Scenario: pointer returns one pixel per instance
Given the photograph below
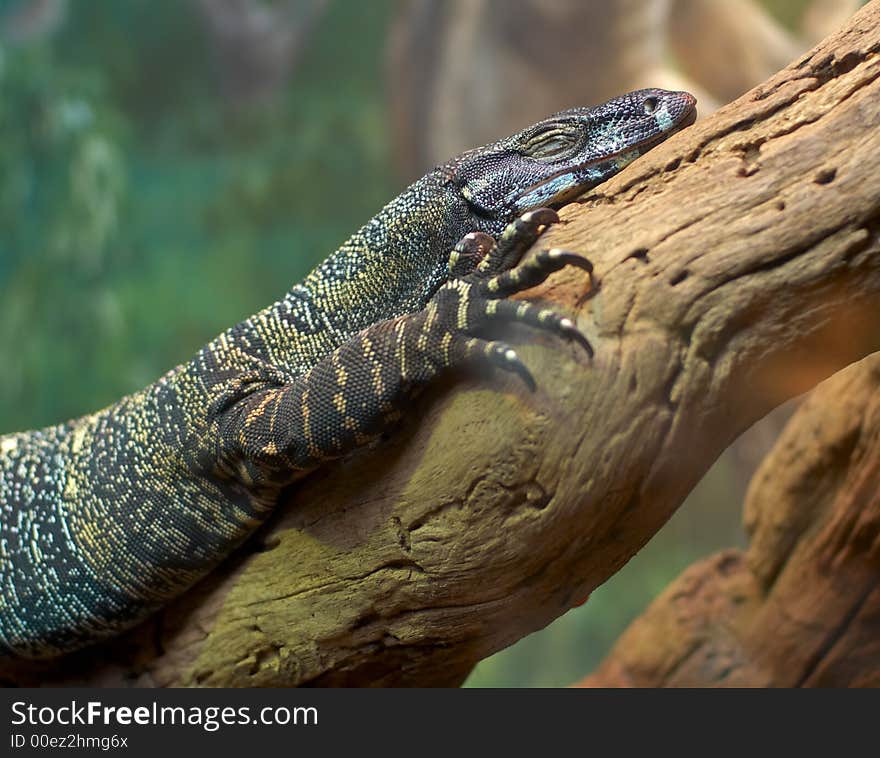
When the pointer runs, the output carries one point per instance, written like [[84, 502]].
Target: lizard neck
[[394, 263]]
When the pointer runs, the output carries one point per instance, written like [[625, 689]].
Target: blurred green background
[[144, 209]]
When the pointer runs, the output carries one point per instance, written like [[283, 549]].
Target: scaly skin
[[107, 517]]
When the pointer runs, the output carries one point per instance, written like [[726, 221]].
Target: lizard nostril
[[650, 105]]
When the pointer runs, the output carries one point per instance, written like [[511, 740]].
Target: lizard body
[[107, 517]]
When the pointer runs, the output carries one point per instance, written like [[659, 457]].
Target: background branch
[[739, 265], [800, 607]]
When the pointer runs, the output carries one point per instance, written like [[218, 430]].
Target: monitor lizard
[[107, 517]]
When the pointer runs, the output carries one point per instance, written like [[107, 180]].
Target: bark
[[739, 265], [800, 607]]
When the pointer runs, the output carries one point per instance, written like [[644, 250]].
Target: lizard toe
[[537, 316], [518, 237]]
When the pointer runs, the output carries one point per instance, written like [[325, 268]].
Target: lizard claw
[[560, 258], [511, 362], [541, 217], [570, 330]]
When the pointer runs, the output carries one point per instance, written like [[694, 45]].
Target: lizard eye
[[552, 146], [549, 145], [650, 105]]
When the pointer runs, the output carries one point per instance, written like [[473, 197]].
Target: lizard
[[107, 517]]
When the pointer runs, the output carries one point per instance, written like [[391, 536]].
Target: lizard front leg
[[357, 391]]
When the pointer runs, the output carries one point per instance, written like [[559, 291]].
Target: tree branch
[[801, 607], [739, 265]]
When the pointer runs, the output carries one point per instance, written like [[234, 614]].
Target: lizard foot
[[483, 274]]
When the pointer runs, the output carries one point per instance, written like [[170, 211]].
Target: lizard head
[[566, 154]]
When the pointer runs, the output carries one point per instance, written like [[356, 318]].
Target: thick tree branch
[[739, 265]]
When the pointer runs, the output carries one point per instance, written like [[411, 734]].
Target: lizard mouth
[[686, 119]]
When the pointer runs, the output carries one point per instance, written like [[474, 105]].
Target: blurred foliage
[[142, 214]]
